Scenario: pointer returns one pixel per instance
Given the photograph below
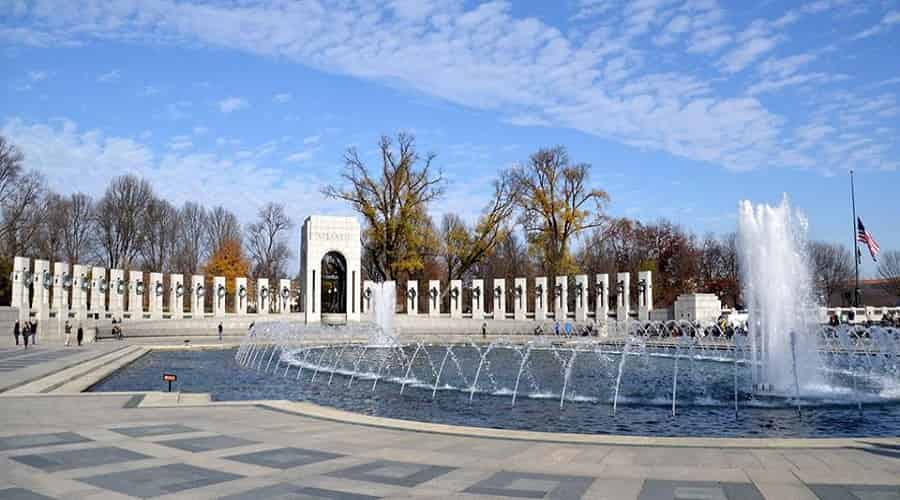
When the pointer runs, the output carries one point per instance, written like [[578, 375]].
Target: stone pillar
[[284, 299], [176, 296], [21, 283], [601, 312], [62, 281], [136, 291], [80, 286], [43, 280], [478, 299], [434, 297], [240, 296], [198, 291], [155, 289], [117, 289], [561, 298], [412, 298], [262, 296], [645, 295], [581, 297], [368, 287], [623, 290], [499, 298], [456, 298], [540, 298], [520, 299], [220, 293]]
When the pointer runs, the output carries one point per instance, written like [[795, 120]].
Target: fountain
[[783, 359]]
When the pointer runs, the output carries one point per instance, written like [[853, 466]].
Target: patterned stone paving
[[99, 449]]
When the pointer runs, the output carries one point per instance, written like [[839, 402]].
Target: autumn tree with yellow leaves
[[393, 200], [228, 261], [556, 204]]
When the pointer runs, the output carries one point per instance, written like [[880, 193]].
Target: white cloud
[[299, 157], [232, 104], [85, 160], [37, 76], [200, 130], [180, 143], [886, 23], [110, 77], [149, 90], [282, 98], [312, 139], [604, 78]]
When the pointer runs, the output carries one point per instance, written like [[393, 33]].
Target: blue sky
[[683, 107]]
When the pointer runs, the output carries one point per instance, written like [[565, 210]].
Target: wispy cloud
[[282, 98], [706, 97], [110, 76], [37, 76], [887, 22], [232, 104], [299, 157]]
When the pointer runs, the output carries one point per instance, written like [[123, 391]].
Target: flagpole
[[855, 242]]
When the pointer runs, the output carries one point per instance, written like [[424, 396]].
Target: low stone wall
[[405, 325]]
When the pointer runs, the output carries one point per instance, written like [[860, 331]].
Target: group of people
[[29, 329], [79, 337]]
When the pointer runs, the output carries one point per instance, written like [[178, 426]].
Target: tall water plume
[[383, 303], [777, 287]]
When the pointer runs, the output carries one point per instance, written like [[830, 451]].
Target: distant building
[[875, 293]]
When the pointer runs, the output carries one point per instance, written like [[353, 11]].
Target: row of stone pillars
[[519, 295], [96, 292]]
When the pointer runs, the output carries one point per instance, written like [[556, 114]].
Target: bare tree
[[51, 235], [191, 244], [10, 168], [23, 211], [393, 200], [462, 247], [266, 241], [78, 228], [556, 204], [119, 218], [889, 271], [160, 232], [832, 267], [221, 226]]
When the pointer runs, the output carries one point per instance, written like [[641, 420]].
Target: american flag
[[864, 236]]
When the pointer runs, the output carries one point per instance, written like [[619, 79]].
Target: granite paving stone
[[154, 430], [208, 443], [284, 458], [36, 440], [21, 494], [296, 492], [56, 461], [532, 485], [654, 489], [392, 473], [155, 481]]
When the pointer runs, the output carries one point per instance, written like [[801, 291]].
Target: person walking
[[34, 327], [568, 329], [484, 330], [68, 330], [80, 336], [26, 331], [220, 331], [16, 331], [556, 328]]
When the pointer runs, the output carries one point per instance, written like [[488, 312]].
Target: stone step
[[89, 378], [57, 379]]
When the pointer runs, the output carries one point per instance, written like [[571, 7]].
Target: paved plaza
[[155, 445]]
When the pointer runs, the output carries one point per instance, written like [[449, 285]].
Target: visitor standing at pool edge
[[484, 330], [16, 331], [80, 336], [68, 330], [220, 331]]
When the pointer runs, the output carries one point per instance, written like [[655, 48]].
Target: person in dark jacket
[[220, 332], [26, 331], [34, 327], [16, 331], [80, 335]]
